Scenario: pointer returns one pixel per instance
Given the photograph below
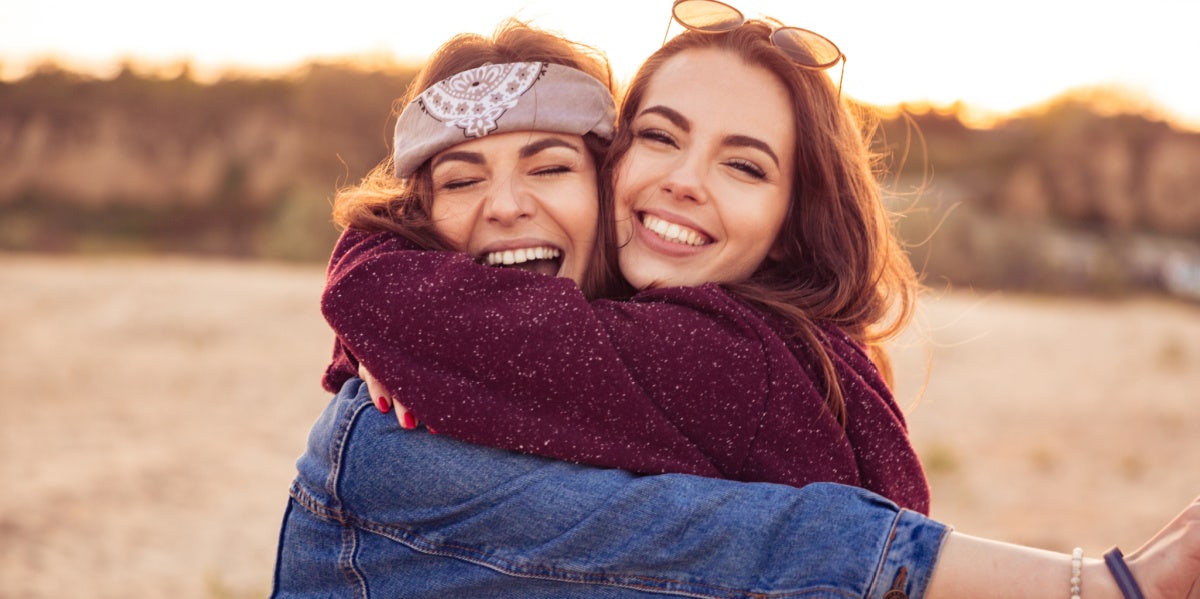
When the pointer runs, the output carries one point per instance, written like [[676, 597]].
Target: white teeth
[[672, 231], [521, 255]]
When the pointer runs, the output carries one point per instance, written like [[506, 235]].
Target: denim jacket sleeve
[[524, 523]]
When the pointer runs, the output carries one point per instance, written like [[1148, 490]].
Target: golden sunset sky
[[994, 57]]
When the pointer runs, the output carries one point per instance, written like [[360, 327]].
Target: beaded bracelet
[[1115, 561], [1076, 572]]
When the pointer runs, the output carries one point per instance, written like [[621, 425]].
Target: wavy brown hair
[[842, 262], [384, 202]]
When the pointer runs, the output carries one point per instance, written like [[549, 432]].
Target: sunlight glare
[[999, 59]]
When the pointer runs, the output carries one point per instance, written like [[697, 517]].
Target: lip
[[657, 244]]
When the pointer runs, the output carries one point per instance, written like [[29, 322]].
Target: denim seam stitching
[[337, 452], [315, 507], [636, 582], [346, 562], [943, 536], [883, 559]]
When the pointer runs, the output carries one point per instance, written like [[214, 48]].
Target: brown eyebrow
[[469, 157], [751, 142], [545, 144], [683, 123], [670, 114], [526, 151]]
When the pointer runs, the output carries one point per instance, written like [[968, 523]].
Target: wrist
[[1098, 582]]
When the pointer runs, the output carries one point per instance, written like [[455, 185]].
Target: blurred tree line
[[243, 166], [1072, 196], [1084, 194]]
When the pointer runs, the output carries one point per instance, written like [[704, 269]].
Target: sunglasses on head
[[807, 49]]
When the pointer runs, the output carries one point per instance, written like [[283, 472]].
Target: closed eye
[[553, 170], [458, 184], [657, 136], [747, 167]]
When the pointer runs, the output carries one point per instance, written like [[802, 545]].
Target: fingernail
[[383, 405], [430, 429], [409, 422]]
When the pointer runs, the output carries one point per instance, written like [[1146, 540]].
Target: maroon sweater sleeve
[[353, 245], [676, 380], [498, 357], [876, 427]]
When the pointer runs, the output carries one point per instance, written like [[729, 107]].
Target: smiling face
[[524, 199], [702, 193]]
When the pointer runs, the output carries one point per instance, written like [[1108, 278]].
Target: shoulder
[[709, 303], [354, 240], [708, 297], [840, 341], [706, 315]]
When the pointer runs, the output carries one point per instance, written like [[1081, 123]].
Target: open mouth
[[546, 260], [673, 232]]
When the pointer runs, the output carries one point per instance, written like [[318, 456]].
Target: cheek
[[775, 225], [775, 221], [624, 198], [578, 213], [623, 217], [629, 178], [757, 223], [583, 227], [453, 221]]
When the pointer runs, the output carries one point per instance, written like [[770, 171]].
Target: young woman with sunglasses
[[921, 537]]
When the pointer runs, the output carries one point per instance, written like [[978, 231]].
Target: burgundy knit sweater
[[687, 379]]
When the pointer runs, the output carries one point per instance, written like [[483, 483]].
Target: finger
[[407, 421], [380, 397], [383, 404]]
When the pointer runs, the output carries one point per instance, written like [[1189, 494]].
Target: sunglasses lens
[[807, 48], [707, 15]]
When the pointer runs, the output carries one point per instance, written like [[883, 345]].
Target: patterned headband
[[499, 98]]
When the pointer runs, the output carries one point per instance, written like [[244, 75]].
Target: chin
[[641, 282]]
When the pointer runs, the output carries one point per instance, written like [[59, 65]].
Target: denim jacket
[[379, 512]]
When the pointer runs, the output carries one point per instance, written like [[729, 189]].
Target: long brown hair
[[384, 202], [841, 262]]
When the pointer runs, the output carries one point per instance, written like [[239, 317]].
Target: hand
[[1168, 565], [384, 401]]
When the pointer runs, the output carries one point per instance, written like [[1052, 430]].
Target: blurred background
[[1054, 149], [165, 185]]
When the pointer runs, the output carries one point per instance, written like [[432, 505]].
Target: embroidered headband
[[499, 98]]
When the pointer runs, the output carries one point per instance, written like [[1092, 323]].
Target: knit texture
[[686, 379]]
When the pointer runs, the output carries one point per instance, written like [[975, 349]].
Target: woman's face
[[524, 199], [702, 193]]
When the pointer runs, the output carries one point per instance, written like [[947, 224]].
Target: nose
[[506, 203], [685, 181]]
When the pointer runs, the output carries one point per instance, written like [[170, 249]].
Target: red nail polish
[[430, 429], [409, 422], [383, 405]]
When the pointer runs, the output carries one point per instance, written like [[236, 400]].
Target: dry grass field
[[151, 411]]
